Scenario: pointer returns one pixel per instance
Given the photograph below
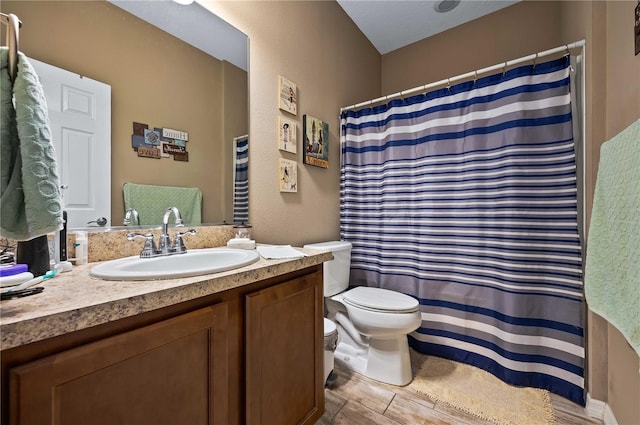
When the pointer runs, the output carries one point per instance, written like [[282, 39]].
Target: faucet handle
[[178, 244], [149, 249]]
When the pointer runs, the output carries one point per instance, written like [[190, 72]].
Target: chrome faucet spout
[[165, 219], [165, 243], [131, 215]]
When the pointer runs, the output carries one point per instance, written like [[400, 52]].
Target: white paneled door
[[80, 119]]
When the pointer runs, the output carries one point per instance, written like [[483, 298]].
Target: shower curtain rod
[[246, 136], [474, 74]]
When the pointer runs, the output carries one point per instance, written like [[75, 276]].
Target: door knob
[[100, 221]]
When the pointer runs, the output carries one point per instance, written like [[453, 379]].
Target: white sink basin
[[193, 263]]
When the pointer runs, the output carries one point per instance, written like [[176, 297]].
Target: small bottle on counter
[[82, 248]]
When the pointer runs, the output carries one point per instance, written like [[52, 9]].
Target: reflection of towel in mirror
[[612, 270], [152, 201], [30, 203]]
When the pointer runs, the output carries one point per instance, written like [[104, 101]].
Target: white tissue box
[[242, 243]]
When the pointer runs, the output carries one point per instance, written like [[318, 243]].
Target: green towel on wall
[[30, 203], [152, 201], [612, 272]]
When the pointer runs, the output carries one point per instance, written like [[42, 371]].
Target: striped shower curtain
[[465, 198], [241, 181]]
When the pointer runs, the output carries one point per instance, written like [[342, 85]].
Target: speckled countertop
[[74, 300]]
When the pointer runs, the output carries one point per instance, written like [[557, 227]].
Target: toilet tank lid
[[329, 246]]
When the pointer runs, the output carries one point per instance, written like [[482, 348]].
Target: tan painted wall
[[613, 102], [236, 123], [477, 44], [315, 45], [154, 78], [622, 109]]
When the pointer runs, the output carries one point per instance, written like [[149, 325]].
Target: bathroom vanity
[[242, 346]]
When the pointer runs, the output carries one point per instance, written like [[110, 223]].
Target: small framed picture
[[164, 150], [288, 96], [315, 140], [288, 175], [287, 135], [151, 137]]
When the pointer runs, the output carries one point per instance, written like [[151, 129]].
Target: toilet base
[[385, 360]]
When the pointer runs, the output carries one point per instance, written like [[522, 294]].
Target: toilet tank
[[336, 271]]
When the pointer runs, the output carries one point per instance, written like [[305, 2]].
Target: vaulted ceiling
[[392, 24]]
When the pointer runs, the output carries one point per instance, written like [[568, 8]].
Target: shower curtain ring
[[504, 69], [448, 84], [475, 77], [534, 61]]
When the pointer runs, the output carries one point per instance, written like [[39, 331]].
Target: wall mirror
[[169, 66]]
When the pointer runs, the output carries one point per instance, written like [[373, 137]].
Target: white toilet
[[372, 323]]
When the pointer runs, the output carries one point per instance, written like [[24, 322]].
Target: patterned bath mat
[[481, 394]]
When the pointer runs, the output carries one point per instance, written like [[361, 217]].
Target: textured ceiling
[[392, 24]]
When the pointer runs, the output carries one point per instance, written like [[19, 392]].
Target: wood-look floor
[[354, 399]]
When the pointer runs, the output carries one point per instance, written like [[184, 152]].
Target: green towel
[[30, 203], [152, 201], [612, 271]]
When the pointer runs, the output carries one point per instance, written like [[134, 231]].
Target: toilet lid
[[379, 299]]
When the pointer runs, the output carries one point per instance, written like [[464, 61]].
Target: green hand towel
[[151, 202], [612, 271], [30, 200]]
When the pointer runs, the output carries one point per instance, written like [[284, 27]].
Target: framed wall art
[[288, 93], [315, 140], [288, 175], [287, 135]]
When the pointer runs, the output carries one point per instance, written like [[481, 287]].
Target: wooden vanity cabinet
[[284, 381], [248, 355], [170, 372]]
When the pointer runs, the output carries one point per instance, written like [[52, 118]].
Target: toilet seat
[[380, 300]]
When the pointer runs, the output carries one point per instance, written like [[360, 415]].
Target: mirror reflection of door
[[80, 120]]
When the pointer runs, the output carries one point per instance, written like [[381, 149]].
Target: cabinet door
[[284, 353], [171, 372]]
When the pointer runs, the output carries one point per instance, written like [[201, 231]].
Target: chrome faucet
[[165, 248], [131, 213], [165, 243]]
